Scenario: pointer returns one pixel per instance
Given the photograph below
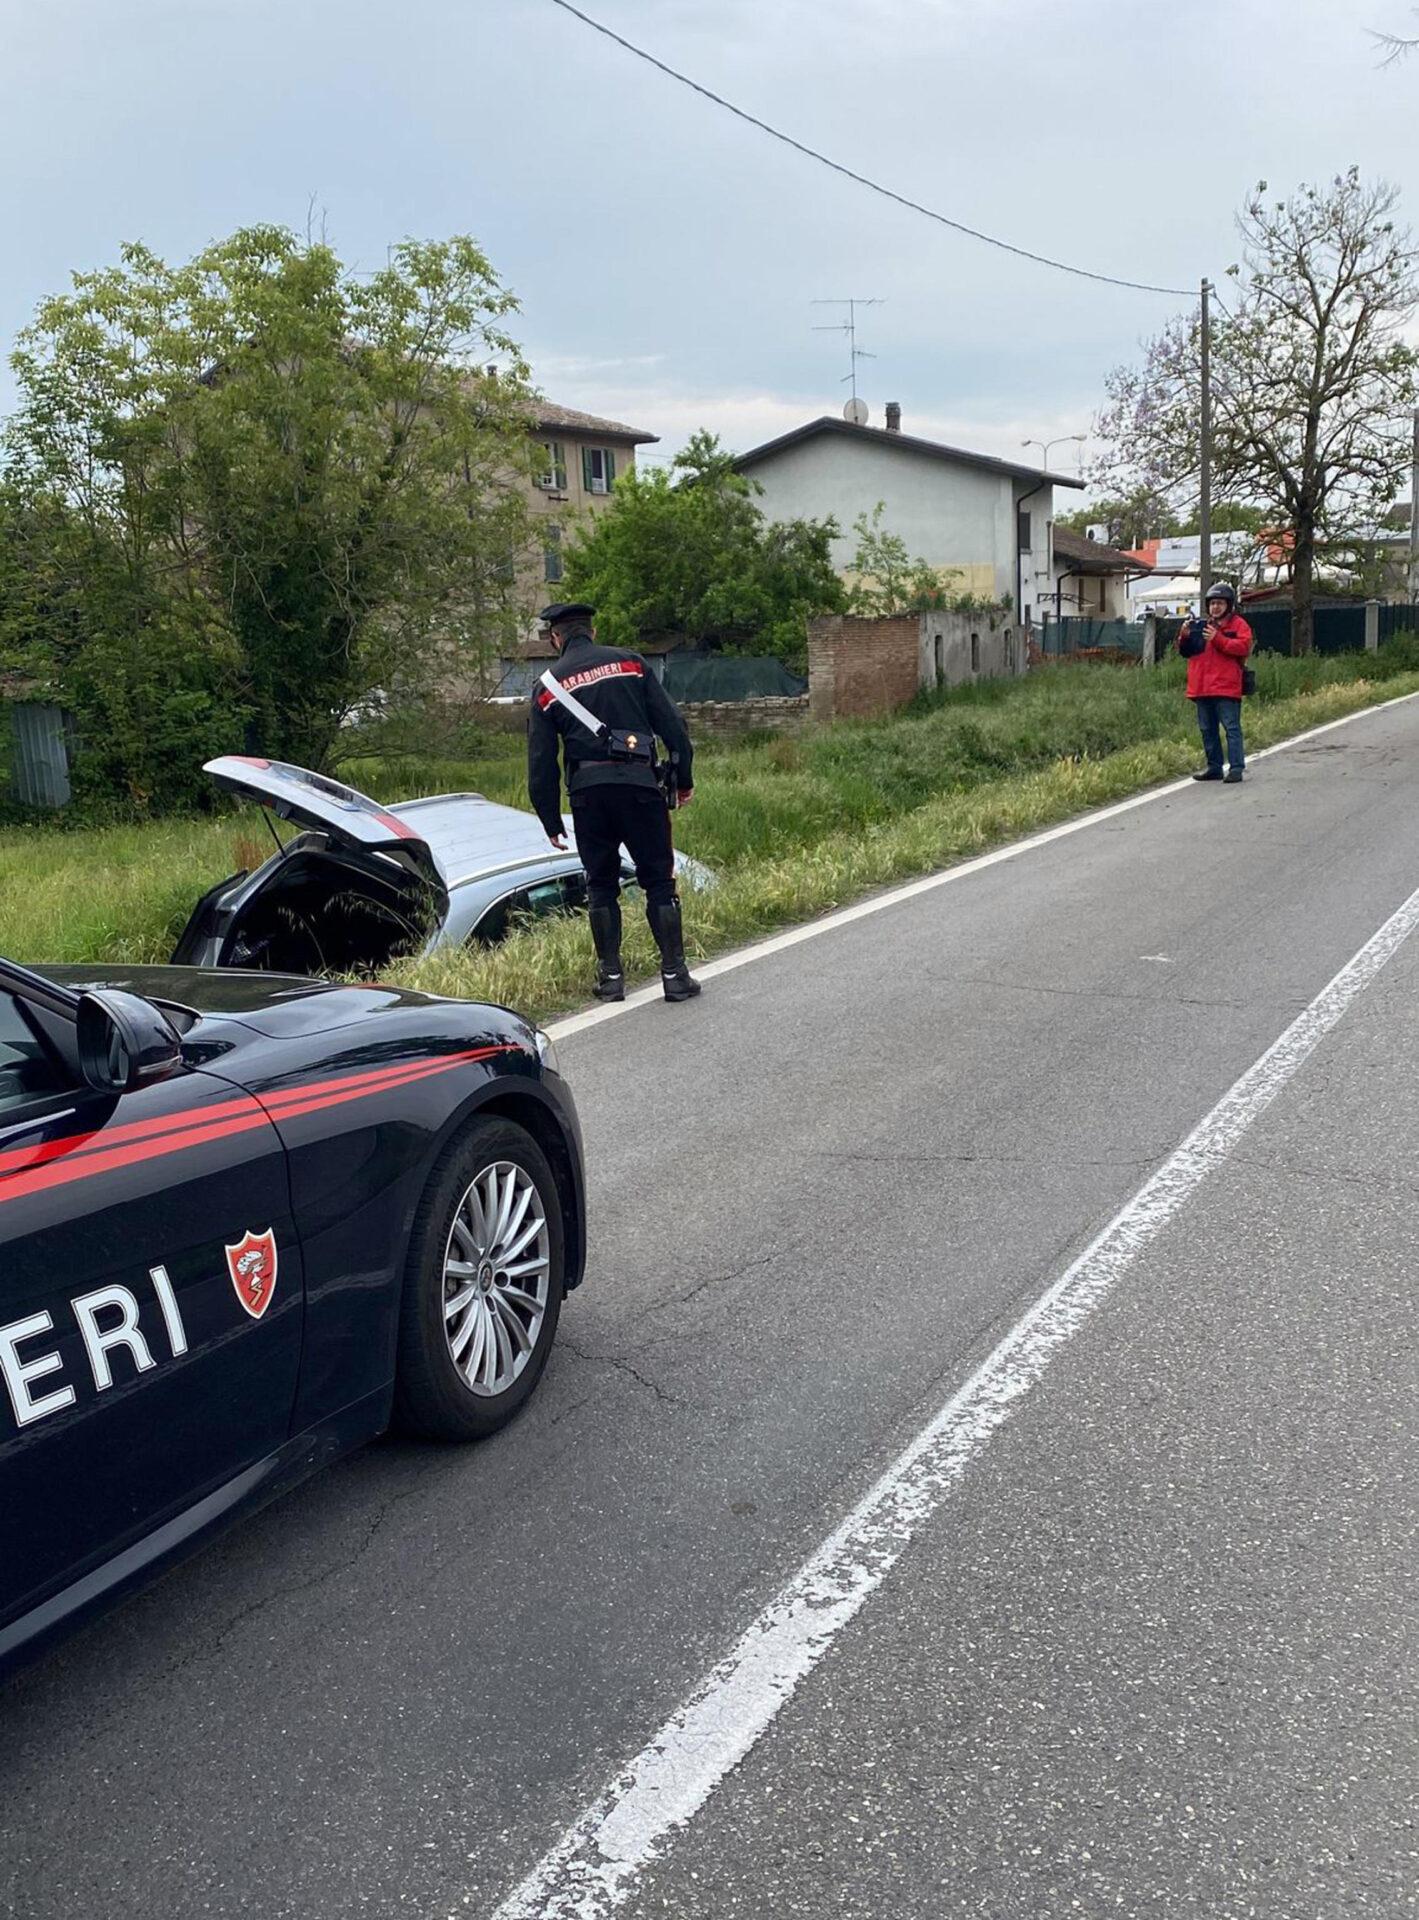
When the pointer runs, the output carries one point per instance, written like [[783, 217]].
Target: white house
[[985, 521]]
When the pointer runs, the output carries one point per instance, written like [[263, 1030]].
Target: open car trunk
[[354, 891]]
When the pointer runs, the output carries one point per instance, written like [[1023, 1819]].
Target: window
[[554, 479], [517, 679], [524, 905], [598, 469], [552, 555], [975, 653], [28, 1070], [1022, 531]]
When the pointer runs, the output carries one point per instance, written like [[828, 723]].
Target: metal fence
[[37, 752], [1077, 637], [1339, 628], [1401, 617]]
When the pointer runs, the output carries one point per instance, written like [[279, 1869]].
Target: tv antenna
[[854, 352]]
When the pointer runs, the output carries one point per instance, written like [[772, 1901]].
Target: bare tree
[[1312, 381], [1397, 46]]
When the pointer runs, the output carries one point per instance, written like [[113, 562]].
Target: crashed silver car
[[360, 884]]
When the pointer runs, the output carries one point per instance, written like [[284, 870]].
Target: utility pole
[[1204, 517], [1414, 516]]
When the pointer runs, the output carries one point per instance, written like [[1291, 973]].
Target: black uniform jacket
[[620, 689]]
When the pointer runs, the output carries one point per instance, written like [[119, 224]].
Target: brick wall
[[723, 719], [859, 666]]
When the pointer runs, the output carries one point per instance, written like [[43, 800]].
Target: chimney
[[894, 416]]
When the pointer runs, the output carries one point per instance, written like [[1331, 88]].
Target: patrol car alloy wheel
[[496, 1269], [483, 1285]]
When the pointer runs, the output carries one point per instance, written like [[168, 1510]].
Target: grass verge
[[795, 827], [547, 970]]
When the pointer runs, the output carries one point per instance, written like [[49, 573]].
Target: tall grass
[[793, 825], [546, 969]]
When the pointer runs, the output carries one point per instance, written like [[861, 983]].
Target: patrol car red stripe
[[61, 1173], [107, 1153], [314, 1102], [78, 1143], [355, 1086]]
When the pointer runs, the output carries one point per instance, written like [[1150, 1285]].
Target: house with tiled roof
[[1093, 578]]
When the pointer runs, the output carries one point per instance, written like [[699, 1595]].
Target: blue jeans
[[1215, 717]]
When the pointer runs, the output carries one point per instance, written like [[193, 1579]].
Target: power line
[[887, 193]]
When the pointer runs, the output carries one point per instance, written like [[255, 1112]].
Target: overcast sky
[[665, 254]]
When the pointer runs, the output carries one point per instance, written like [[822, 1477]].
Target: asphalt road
[[1157, 1653]]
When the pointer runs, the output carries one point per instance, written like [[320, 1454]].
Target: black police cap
[[561, 612]]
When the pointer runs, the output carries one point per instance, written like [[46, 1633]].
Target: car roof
[[470, 836]]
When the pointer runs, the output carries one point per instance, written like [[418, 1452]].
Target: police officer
[[616, 799]]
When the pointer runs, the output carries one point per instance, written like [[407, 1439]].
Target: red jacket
[[1216, 672]]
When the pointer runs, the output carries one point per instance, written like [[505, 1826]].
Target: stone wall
[[496, 716], [724, 719]]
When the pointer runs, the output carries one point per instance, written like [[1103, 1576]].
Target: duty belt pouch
[[636, 748]]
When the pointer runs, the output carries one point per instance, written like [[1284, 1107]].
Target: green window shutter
[[586, 474], [610, 460]]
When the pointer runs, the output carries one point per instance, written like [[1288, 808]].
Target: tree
[[291, 471], [1140, 514], [886, 579], [1397, 46], [150, 673], [690, 552], [1232, 516], [1313, 380]]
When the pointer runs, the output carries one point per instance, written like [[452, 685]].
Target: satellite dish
[[856, 412]]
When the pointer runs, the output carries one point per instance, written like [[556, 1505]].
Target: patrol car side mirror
[[124, 1041]]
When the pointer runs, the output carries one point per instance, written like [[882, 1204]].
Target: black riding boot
[[606, 937], [675, 976]]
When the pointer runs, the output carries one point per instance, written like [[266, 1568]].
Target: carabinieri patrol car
[[245, 1221]]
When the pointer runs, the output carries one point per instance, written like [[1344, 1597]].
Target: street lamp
[[1044, 446], [1058, 441]]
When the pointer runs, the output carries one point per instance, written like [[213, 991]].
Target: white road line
[[879, 903], [593, 1868]]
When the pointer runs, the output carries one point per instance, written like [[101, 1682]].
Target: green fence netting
[[723, 676]]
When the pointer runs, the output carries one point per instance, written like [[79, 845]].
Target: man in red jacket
[[1215, 651]]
